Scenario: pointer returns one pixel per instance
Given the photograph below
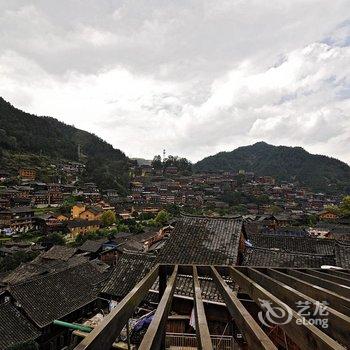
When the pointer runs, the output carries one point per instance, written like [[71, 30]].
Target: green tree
[[312, 220], [345, 207], [162, 218], [173, 209], [9, 263], [51, 239], [108, 218], [274, 209], [157, 162]]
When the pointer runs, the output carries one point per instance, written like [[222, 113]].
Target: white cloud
[[194, 78]]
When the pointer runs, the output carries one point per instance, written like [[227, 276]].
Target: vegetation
[[108, 218], [10, 262], [343, 210], [239, 197], [320, 173], [83, 237], [28, 140], [183, 165], [52, 239], [162, 218]]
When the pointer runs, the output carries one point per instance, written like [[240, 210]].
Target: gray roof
[[39, 267], [342, 255], [59, 252], [282, 258], [202, 240], [15, 328], [129, 270], [294, 244], [56, 295], [92, 246]]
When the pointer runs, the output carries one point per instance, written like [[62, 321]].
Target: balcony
[[273, 291]]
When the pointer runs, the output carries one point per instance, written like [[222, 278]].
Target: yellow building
[[62, 217], [81, 211], [328, 215], [77, 210], [77, 227], [27, 174]]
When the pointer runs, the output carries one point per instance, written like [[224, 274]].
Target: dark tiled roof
[[342, 255], [94, 210], [56, 295], [287, 231], [282, 258], [59, 252], [184, 287], [39, 267], [83, 223], [294, 244], [15, 328], [92, 246], [129, 270], [197, 240], [130, 245]]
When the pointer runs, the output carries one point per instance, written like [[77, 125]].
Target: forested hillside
[[44, 137], [319, 172]]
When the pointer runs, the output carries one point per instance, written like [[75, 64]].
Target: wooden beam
[[305, 336], [338, 324], [254, 335], [153, 339], [104, 335], [202, 330], [344, 291], [333, 272], [335, 301], [329, 277]]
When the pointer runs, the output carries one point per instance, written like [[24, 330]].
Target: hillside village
[[101, 243]]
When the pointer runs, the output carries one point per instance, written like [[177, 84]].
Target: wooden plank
[[305, 336], [202, 330], [321, 282], [338, 324], [336, 301], [340, 273], [327, 276], [153, 339], [254, 335], [104, 335]]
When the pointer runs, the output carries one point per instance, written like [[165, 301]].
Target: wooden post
[[154, 338], [255, 336], [202, 330], [104, 335]]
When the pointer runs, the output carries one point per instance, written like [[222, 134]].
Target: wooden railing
[[282, 288], [185, 340]]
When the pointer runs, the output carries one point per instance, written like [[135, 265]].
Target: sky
[[193, 77]]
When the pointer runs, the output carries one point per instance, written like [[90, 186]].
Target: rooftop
[[281, 258], [14, 327], [264, 287], [201, 240], [56, 295], [59, 252]]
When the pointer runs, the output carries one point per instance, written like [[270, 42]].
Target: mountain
[[142, 161], [321, 173], [26, 139]]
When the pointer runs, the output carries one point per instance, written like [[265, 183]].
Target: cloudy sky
[[193, 77]]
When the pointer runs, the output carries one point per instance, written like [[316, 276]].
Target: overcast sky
[[193, 77]]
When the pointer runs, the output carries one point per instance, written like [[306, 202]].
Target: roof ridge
[[51, 273]]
